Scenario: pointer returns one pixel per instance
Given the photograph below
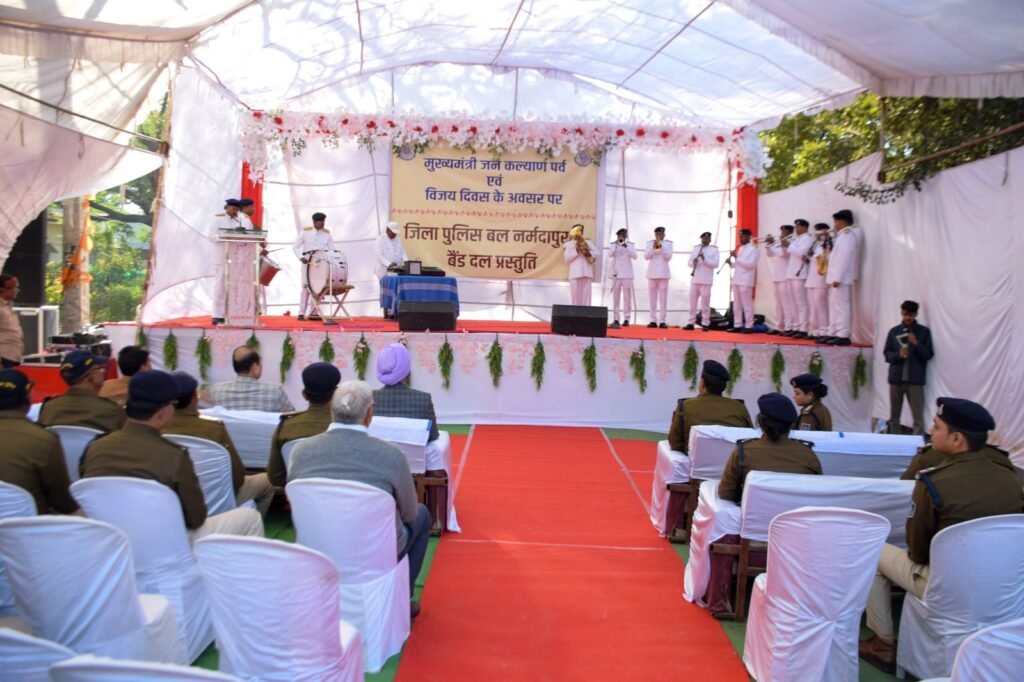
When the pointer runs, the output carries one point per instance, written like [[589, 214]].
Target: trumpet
[[771, 239], [583, 248], [657, 244]]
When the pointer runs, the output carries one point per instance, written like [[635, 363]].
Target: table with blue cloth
[[397, 288]]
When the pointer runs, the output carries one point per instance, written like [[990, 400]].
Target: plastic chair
[[95, 669], [212, 463], [74, 580], [25, 658], [14, 502], [275, 611], [805, 610], [374, 585], [974, 580], [74, 440], [149, 514]]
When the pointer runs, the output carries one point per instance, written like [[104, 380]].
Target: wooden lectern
[[241, 276]]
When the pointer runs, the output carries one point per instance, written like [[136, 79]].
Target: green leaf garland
[[445, 359], [494, 356], [590, 366], [326, 350], [778, 369], [816, 365], [252, 341], [690, 366], [638, 363], [860, 375], [204, 355], [171, 352], [361, 357], [287, 356], [735, 369], [141, 340], [537, 364]]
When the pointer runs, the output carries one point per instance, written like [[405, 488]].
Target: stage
[[564, 397]]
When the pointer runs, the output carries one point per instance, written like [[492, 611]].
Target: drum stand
[[330, 303]]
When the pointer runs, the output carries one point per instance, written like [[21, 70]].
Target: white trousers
[[817, 311], [703, 293], [742, 306], [579, 290], [798, 295], [781, 312], [622, 289], [242, 521], [218, 290], [840, 310], [657, 292]]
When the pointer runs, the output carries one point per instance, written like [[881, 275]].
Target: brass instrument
[[583, 248], [821, 260], [657, 244], [698, 259]]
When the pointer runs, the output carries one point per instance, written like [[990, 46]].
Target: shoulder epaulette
[[924, 476], [806, 443], [747, 440], [1002, 452], [211, 419], [679, 405], [289, 415], [306, 228], [219, 215]]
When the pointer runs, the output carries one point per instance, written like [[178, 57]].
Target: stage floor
[[375, 324]]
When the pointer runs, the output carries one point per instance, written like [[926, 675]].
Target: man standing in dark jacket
[[908, 348]]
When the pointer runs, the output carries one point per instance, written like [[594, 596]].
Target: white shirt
[[387, 251], [744, 273], [334, 426], [578, 265], [799, 247], [705, 272], [814, 280], [311, 239], [844, 261], [779, 259], [11, 341], [222, 221], [658, 268], [621, 260]]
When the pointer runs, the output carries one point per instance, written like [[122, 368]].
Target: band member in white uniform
[[658, 253], [620, 270], [817, 293], [744, 261], [843, 266], [581, 256], [778, 257], [231, 219], [311, 239], [797, 267], [388, 250], [703, 261]]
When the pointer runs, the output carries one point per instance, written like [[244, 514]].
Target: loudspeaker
[[418, 316], [579, 320], [27, 262]]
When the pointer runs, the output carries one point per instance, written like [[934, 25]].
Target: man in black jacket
[[908, 348]]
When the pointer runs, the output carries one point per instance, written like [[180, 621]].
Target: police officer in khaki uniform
[[81, 405], [808, 390], [319, 380], [967, 485], [928, 457], [138, 451], [708, 407], [773, 451], [32, 457], [188, 422]]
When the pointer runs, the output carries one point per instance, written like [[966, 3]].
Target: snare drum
[[268, 269], [326, 273]]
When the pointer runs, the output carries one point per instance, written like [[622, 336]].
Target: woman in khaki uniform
[[808, 390]]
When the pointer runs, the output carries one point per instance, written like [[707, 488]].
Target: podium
[[241, 275]]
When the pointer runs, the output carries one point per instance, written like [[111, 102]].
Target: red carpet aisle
[[559, 574]]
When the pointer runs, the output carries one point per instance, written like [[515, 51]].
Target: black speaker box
[[27, 262], [418, 316], [579, 320]]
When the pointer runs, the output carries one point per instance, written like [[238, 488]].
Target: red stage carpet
[[559, 574]]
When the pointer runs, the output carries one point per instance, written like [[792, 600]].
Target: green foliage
[[778, 369], [445, 358], [326, 350], [141, 340], [494, 357], [537, 364], [252, 341], [817, 364], [638, 363], [287, 356], [171, 352], [690, 366], [361, 357], [590, 366], [860, 375], [735, 369], [204, 355]]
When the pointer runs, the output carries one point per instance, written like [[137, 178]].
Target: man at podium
[[231, 219]]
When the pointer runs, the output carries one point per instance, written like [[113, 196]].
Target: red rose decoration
[[720, 139], [455, 129], [693, 138], [497, 131], [640, 132], [579, 131], [418, 129], [664, 134], [620, 132], [344, 121], [433, 129], [257, 114], [371, 125], [472, 129], [278, 120]]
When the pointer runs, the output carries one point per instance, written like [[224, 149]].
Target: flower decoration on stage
[[326, 352], [171, 352], [778, 369], [445, 358], [287, 356], [617, 357], [735, 369], [361, 357], [252, 341], [204, 356], [494, 356], [690, 366], [289, 132], [638, 363], [537, 364], [567, 351], [664, 359], [860, 375], [816, 365], [590, 366]]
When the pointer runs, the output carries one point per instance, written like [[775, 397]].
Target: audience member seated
[[808, 390], [81, 405], [397, 399], [708, 407], [139, 451], [347, 451], [32, 457], [130, 361], [927, 457], [319, 381], [247, 392], [968, 484], [773, 451], [188, 422]]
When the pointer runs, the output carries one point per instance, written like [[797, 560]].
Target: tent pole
[[158, 202]]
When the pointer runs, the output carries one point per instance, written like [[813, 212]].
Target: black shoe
[[748, 330], [301, 318], [688, 328], [662, 326], [414, 608], [841, 341], [614, 325], [314, 318], [218, 320], [773, 332], [735, 330], [800, 335], [823, 340], [625, 323], [652, 325], [705, 328]]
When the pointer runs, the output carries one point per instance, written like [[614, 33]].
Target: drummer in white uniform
[[311, 239], [231, 219]]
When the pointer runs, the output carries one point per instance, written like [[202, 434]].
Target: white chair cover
[[74, 580], [374, 585], [74, 440], [251, 431], [670, 466], [408, 435], [90, 668], [713, 519], [286, 451], [14, 502], [995, 653], [975, 580], [24, 658], [33, 412], [439, 456], [212, 463], [275, 610], [149, 513], [805, 610]]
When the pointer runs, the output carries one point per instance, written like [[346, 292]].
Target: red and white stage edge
[[564, 397]]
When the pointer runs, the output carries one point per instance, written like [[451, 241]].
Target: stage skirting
[[564, 397]]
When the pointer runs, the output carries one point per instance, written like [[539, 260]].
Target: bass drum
[[268, 269], [326, 273]]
